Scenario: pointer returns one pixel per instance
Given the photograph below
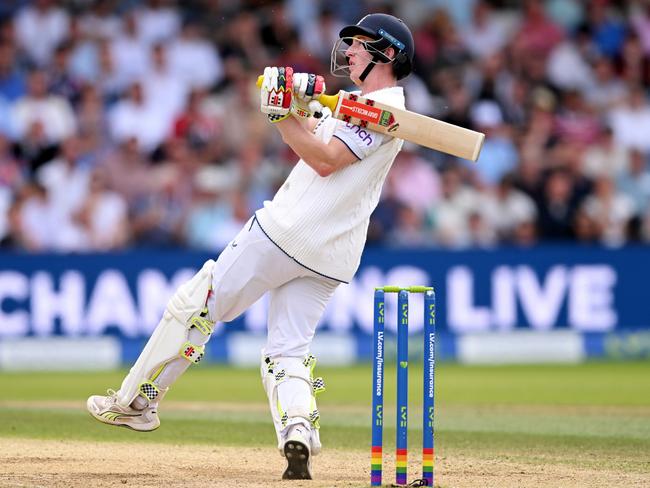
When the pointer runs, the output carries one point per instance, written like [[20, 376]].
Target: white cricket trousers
[[252, 265]]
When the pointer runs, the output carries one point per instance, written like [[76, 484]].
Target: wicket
[[401, 453]]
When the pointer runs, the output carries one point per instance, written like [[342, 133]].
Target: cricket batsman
[[298, 248]]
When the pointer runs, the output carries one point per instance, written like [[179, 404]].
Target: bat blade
[[403, 124], [410, 126]]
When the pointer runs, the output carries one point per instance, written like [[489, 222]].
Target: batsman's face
[[358, 57]]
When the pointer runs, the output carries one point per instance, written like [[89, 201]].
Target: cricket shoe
[[297, 452], [106, 409]]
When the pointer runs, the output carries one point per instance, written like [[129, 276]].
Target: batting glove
[[276, 93], [307, 87]]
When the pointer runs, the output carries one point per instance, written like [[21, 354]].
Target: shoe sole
[[103, 420], [297, 455], [107, 422]]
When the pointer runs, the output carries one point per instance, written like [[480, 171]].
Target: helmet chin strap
[[371, 65], [366, 71]]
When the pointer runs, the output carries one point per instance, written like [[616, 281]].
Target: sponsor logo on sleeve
[[365, 136]]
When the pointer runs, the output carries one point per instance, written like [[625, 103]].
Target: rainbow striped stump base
[[427, 465], [400, 466], [375, 466]]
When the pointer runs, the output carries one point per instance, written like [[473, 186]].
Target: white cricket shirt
[[322, 222]]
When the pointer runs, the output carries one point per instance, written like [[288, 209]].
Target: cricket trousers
[[252, 265]]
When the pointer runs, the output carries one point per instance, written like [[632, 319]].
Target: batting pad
[[181, 333], [290, 388]]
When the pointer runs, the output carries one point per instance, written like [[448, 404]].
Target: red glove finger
[[287, 86]]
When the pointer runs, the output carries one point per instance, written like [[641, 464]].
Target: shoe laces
[[111, 399]]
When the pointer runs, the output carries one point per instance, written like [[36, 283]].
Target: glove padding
[[307, 87], [276, 93]]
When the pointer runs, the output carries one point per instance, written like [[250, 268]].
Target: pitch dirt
[[38, 463]]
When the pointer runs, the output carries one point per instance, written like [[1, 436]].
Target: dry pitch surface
[[39, 463]]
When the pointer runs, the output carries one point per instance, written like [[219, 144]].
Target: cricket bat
[[403, 124]]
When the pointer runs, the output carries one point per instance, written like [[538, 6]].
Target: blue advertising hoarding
[[596, 293]]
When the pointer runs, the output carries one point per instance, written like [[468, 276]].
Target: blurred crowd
[[136, 123]]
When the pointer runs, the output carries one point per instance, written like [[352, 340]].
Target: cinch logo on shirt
[[365, 136]]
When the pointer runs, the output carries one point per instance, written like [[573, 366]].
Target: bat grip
[[329, 101]]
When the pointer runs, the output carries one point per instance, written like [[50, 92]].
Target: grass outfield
[[595, 415]]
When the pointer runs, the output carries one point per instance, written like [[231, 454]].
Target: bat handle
[[329, 101]]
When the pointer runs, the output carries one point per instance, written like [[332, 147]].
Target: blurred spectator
[[12, 176], [297, 56], [452, 52], [319, 37], [631, 121], [606, 25], [83, 57], [383, 220], [486, 34], [576, 121], [66, 178], [6, 127], [557, 206], [129, 56], [569, 64], [257, 177], [127, 171], [53, 112], [537, 35], [132, 117], [413, 180], [110, 82], [634, 181], [514, 98], [481, 233], [569, 156], [275, 30], [640, 20], [605, 156], [101, 21], [241, 43], [459, 11], [13, 84], [499, 154], [610, 210], [450, 216], [60, 81], [163, 88], [194, 59], [408, 230], [157, 21], [418, 97], [90, 112], [35, 148], [66, 181], [197, 124], [40, 28], [103, 216], [158, 215], [510, 212], [585, 229], [607, 91], [31, 221], [632, 64], [216, 214], [567, 13]]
